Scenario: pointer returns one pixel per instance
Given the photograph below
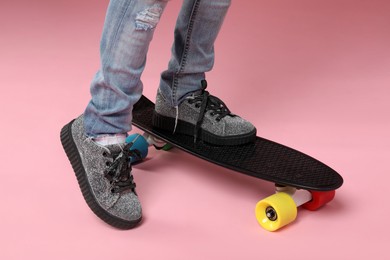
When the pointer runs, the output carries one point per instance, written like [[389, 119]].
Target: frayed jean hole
[[148, 18]]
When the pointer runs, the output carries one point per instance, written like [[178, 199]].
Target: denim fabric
[[127, 32]]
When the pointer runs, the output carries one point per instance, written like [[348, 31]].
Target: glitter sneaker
[[104, 176], [205, 117]]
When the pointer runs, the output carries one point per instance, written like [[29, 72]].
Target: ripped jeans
[[127, 32]]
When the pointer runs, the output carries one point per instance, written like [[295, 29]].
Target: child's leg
[[196, 30], [94, 142], [127, 32], [182, 104]]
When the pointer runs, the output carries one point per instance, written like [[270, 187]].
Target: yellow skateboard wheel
[[276, 211]]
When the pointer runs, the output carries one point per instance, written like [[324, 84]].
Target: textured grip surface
[[262, 159]]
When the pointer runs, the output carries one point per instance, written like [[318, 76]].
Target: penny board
[[262, 159]]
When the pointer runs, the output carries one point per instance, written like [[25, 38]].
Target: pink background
[[313, 75]]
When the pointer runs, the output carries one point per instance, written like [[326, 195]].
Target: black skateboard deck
[[263, 159]]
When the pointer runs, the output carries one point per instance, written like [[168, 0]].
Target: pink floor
[[314, 75]]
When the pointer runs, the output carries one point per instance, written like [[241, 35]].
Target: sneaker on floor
[[104, 176], [205, 117]]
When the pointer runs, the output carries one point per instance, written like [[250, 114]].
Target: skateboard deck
[[263, 159]]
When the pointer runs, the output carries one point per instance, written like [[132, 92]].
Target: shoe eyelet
[[108, 163], [218, 119], [105, 154], [197, 106], [212, 114]]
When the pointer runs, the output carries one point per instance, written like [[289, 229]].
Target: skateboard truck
[[157, 143], [280, 209]]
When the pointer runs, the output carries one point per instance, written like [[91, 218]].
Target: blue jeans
[[127, 32]]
